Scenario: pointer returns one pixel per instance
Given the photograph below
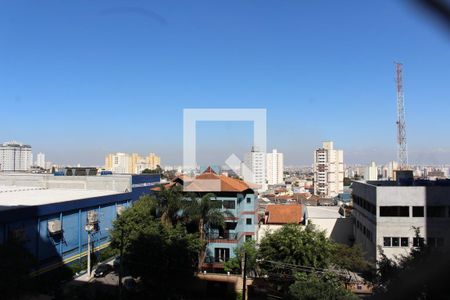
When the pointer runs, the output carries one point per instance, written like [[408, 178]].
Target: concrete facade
[[386, 215]]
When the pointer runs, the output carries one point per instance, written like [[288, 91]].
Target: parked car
[[102, 270]]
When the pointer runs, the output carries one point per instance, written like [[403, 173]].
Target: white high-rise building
[[371, 172], [275, 167], [328, 171], [40, 160], [15, 156], [120, 163], [253, 169]]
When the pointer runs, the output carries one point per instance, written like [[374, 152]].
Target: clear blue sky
[[79, 79]]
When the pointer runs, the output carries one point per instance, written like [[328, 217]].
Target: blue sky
[[79, 79]]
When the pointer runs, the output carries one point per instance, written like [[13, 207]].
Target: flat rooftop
[[13, 196], [323, 212], [417, 182]]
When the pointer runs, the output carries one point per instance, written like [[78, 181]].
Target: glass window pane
[[395, 242]]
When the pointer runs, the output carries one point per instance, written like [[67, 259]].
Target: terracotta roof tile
[[284, 214]]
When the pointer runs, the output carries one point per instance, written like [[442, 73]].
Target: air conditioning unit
[[92, 217], [120, 209], [54, 226]]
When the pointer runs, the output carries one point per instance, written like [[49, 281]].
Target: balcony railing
[[224, 236]]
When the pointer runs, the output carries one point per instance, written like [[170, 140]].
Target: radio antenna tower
[[402, 152]]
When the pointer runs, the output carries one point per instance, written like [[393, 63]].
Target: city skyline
[[122, 85]]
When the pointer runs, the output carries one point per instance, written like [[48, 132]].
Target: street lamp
[[91, 222], [89, 228]]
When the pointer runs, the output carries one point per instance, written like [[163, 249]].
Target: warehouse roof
[[13, 196]]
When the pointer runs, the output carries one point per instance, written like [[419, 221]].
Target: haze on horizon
[[80, 80]]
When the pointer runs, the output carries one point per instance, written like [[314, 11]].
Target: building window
[[248, 221], [394, 211], [249, 200], [387, 241], [229, 204], [221, 254], [404, 242], [431, 241], [418, 242], [439, 242], [436, 211], [248, 237], [395, 242], [417, 211]]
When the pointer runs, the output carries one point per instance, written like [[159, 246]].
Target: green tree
[[293, 244], [207, 214], [234, 264], [169, 205], [422, 274], [318, 287], [349, 257], [157, 170], [163, 256]]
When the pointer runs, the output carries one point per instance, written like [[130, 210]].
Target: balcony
[[222, 236]]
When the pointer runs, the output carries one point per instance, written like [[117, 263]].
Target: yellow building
[[131, 164]]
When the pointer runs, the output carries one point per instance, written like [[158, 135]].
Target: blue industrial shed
[[31, 224]]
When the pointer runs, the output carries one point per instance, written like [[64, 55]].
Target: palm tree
[[207, 213], [169, 205]]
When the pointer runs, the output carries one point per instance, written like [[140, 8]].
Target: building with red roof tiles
[[235, 196]]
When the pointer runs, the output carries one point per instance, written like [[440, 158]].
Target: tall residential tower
[[328, 171], [254, 168], [275, 167], [15, 156]]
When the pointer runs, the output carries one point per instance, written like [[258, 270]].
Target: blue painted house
[[235, 196]]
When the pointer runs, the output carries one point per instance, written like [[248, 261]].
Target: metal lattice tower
[[402, 152]]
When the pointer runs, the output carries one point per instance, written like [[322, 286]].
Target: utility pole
[[91, 221], [244, 278], [402, 151], [121, 264], [89, 228]]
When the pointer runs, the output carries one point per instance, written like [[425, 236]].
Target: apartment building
[[124, 163], [275, 167], [387, 214], [328, 171], [235, 196], [15, 157], [253, 168]]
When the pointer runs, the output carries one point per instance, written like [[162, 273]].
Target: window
[[229, 204], [248, 237], [439, 242], [431, 241], [248, 221], [417, 211], [404, 242], [386, 241], [394, 211], [418, 242], [436, 211], [395, 242], [249, 200], [221, 254]]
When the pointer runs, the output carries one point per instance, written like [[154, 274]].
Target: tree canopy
[[297, 245]]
